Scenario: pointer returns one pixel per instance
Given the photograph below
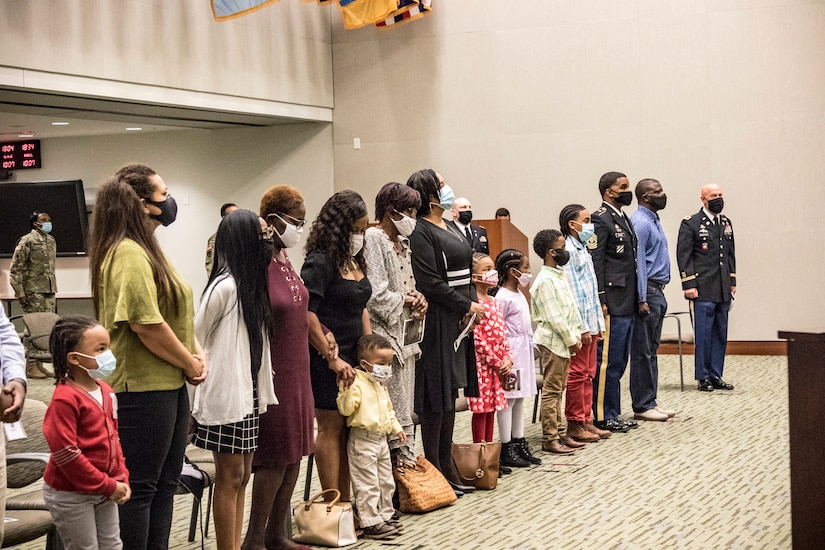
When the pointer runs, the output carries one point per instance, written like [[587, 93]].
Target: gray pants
[[370, 470], [84, 522]]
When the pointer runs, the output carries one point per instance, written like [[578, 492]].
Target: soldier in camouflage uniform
[[227, 208], [32, 273]]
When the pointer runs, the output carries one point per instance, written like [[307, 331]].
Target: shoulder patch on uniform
[[593, 242], [688, 217], [601, 210]]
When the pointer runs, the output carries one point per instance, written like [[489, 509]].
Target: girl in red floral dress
[[492, 352]]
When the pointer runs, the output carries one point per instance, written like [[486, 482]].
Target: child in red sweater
[[86, 477]]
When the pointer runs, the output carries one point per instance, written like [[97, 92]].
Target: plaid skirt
[[236, 438]]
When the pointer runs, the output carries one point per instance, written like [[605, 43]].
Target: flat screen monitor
[[64, 201]]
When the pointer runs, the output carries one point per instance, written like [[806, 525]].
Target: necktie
[[469, 235]]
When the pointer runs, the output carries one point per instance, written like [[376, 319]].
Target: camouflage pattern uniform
[[32, 277], [32, 271], [210, 254]]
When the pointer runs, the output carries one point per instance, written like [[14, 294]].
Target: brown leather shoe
[[34, 370], [556, 447], [576, 431], [604, 434], [572, 443]]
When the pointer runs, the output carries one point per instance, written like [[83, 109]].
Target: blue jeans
[[710, 330], [644, 363], [153, 430], [610, 369]]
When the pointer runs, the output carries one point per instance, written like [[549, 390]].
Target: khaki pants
[[554, 369], [370, 470]]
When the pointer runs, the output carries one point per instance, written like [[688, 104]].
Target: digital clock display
[[19, 155]]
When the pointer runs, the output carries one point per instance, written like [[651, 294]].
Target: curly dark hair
[[371, 342], [507, 260], [331, 230], [543, 241], [427, 185], [394, 196], [65, 337]]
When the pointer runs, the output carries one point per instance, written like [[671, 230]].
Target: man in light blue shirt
[[13, 368], [653, 271]]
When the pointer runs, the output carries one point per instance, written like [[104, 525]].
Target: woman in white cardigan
[[233, 322]]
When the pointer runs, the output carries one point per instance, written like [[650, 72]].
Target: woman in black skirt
[[233, 323], [441, 262]]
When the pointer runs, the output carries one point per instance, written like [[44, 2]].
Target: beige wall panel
[[686, 92], [281, 53]]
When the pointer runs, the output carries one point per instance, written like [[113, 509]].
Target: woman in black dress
[[334, 272], [442, 262]]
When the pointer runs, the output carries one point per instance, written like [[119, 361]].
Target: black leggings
[[437, 437], [153, 429]]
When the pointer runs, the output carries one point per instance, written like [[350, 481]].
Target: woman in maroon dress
[[286, 430]]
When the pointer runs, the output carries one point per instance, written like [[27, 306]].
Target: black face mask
[[562, 256], [658, 203], [716, 205], [465, 217], [624, 198], [267, 248], [168, 210]]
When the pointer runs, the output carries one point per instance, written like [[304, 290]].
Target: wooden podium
[[502, 234], [806, 409]]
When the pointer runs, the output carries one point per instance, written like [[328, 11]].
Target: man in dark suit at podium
[[476, 235]]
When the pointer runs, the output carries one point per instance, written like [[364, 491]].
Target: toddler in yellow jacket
[[370, 417]]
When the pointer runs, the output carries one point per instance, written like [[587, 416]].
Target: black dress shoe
[[613, 425], [458, 493], [461, 488], [632, 424], [719, 384], [504, 470], [705, 385]]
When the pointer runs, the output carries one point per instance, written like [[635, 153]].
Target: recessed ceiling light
[[25, 135], [134, 129], [60, 123]]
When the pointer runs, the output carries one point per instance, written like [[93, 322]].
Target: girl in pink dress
[[492, 353]]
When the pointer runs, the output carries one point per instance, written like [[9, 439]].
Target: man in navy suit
[[707, 264], [476, 235], [613, 247]]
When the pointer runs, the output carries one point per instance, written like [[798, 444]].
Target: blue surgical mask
[[446, 197], [586, 232], [46, 227], [106, 363]]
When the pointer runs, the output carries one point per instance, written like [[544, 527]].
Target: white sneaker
[[669, 412], [652, 415]]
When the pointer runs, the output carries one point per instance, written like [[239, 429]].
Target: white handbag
[[325, 523]]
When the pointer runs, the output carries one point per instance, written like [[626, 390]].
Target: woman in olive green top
[[148, 311]]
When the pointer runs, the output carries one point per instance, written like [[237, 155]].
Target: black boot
[[523, 450], [510, 458]]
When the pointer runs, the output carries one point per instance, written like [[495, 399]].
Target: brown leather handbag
[[421, 487], [477, 463]]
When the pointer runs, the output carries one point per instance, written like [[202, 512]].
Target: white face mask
[[356, 243], [524, 279], [380, 373], [291, 235], [405, 226]]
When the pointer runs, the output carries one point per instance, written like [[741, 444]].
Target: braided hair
[[507, 260], [66, 336]]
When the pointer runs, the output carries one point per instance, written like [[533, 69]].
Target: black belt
[[657, 285]]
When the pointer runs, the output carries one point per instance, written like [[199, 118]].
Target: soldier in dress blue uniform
[[707, 264], [613, 247]]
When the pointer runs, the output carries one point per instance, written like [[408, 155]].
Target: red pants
[[483, 425], [580, 383]]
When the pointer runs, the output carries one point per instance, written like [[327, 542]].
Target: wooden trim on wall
[[736, 347]]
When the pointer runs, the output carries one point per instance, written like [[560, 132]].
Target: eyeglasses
[[296, 222]]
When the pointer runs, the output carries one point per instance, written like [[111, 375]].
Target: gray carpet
[[715, 476]]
